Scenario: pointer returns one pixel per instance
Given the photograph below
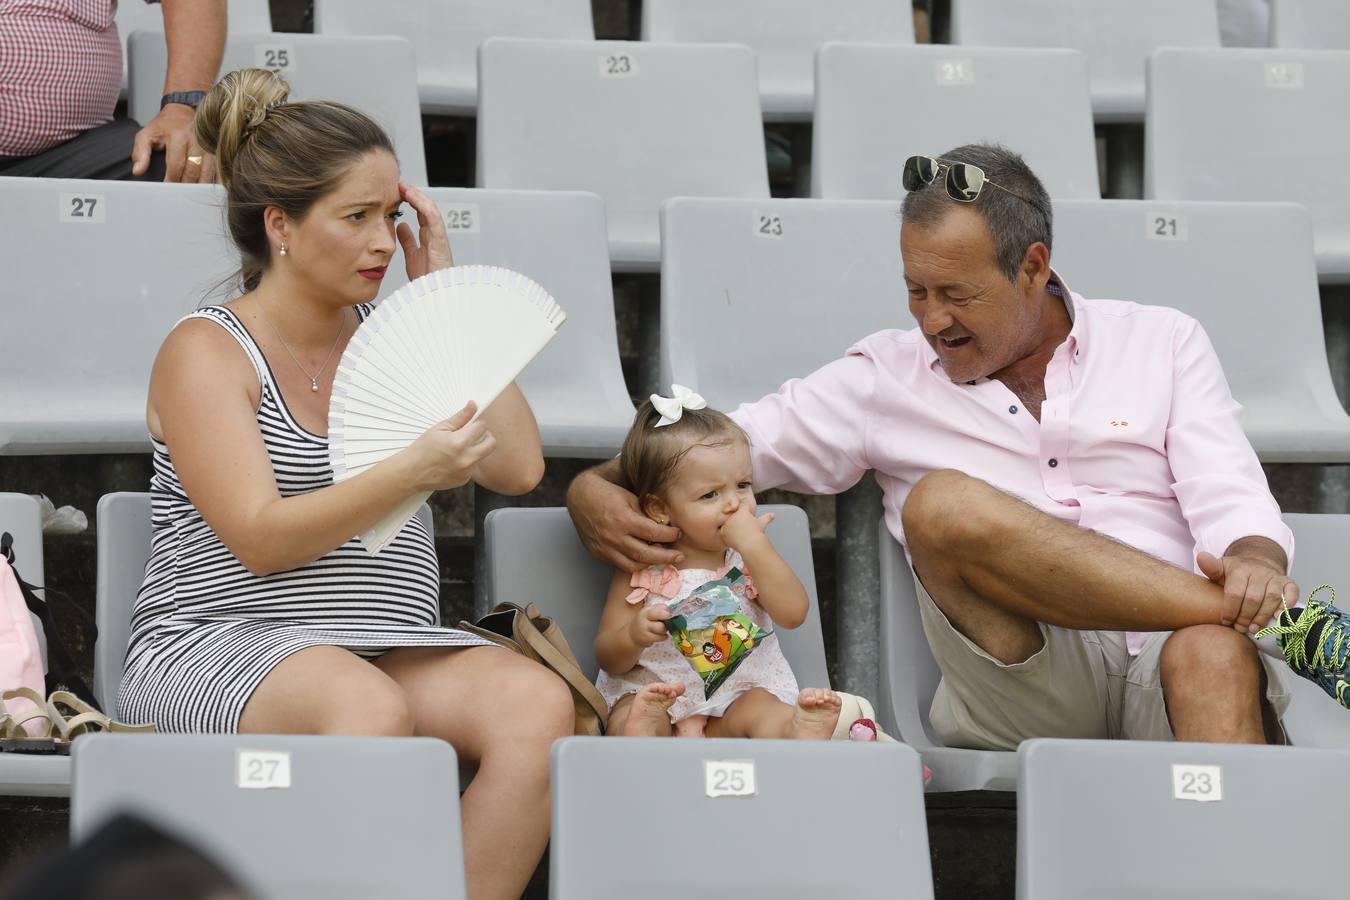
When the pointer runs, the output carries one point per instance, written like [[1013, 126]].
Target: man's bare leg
[[1214, 686], [996, 567]]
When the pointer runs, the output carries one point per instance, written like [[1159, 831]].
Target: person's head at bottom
[[975, 239], [127, 858]]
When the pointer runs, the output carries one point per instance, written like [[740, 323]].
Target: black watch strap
[[187, 98]]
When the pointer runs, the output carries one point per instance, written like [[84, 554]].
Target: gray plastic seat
[[123, 528], [534, 556], [744, 263], [861, 805], [575, 386], [1116, 37], [360, 817], [636, 123], [1232, 266], [1310, 24], [376, 75], [99, 272], [446, 33], [1114, 820], [876, 105], [784, 35], [1320, 542], [244, 17], [21, 775], [1198, 149]]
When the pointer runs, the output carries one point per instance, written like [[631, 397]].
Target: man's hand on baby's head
[[743, 527], [649, 626]]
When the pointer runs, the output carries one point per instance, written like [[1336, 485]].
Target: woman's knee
[[537, 700]]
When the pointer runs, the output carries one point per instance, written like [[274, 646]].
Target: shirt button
[[1053, 463], [1013, 410]]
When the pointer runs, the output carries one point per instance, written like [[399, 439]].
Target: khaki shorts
[[1081, 684]]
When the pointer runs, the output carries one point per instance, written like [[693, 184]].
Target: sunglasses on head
[[963, 182]]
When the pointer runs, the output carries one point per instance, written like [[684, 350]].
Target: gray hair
[[1015, 224]]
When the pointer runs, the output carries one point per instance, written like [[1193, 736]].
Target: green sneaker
[[1316, 644]]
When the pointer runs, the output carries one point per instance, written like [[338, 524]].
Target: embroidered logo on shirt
[[1119, 423]]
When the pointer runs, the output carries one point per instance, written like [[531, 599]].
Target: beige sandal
[[16, 729], [84, 719]]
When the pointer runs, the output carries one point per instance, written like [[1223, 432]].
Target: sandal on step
[[29, 732], [84, 719]]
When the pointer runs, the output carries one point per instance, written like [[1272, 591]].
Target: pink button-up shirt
[[1139, 436]]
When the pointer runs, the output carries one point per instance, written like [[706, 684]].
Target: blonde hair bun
[[236, 106]]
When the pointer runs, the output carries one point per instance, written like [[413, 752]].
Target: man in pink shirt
[[1093, 538]]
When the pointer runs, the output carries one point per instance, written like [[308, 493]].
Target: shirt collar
[[1073, 305]]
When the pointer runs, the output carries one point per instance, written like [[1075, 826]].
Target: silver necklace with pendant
[[314, 378]]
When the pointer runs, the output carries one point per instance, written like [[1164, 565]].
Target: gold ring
[[195, 160]]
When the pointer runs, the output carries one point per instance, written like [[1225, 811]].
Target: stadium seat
[[909, 679], [244, 17], [784, 35], [1320, 541], [123, 529], [376, 75], [446, 35], [290, 816], [534, 556], [1236, 267], [805, 819], [94, 290], [1117, 820], [635, 123], [877, 105], [1198, 148], [1116, 38], [21, 775], [751, 263], [558, 238], [1310, 24]]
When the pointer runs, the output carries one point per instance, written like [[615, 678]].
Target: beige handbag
[[539, 638]]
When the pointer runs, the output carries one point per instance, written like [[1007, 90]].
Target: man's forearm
[[1260, 548], [195, 33]]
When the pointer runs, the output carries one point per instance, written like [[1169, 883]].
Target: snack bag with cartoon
[[712, 631]]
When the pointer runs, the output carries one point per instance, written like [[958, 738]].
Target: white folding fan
[[449, 337]]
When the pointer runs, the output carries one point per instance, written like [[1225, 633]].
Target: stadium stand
[[746, 263], [1310, 24], [1200, 148], [558, 238], [376, 75], [244, 17], [861, 805], [877, 105], [784, 36], [1126, 819], [527, 548], [281, 811], [1230, 265], [635, 123], [79, 348], [446, 33], [1116, 38]]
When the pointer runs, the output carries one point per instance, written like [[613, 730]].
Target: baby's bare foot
[[649, 715], [816, 714]]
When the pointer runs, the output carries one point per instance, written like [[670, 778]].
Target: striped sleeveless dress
[[205, 631]]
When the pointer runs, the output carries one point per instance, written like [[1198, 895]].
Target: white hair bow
[[672, 408]]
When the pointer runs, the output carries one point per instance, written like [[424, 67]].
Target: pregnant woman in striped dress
[[259, 611]]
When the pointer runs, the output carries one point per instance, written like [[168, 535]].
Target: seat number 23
[[1203, 784]]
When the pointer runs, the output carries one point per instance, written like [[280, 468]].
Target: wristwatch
[[187, 98]]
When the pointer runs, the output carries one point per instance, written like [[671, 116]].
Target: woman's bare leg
[[327, 690]]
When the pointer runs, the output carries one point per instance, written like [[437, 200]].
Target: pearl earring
[[283, 248]]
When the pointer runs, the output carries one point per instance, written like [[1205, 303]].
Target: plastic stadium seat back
[[290, 816], [376, 75], [636, 123], [876, 105], [784, 35], [1198, 149], [868, 836], [1116, 38], [446, 33], [1310, 24], [534, 556], [558, 238]]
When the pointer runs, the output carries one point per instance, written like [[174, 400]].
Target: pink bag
[[20, 658]]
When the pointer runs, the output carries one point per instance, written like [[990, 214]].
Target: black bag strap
[[62, 672]]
